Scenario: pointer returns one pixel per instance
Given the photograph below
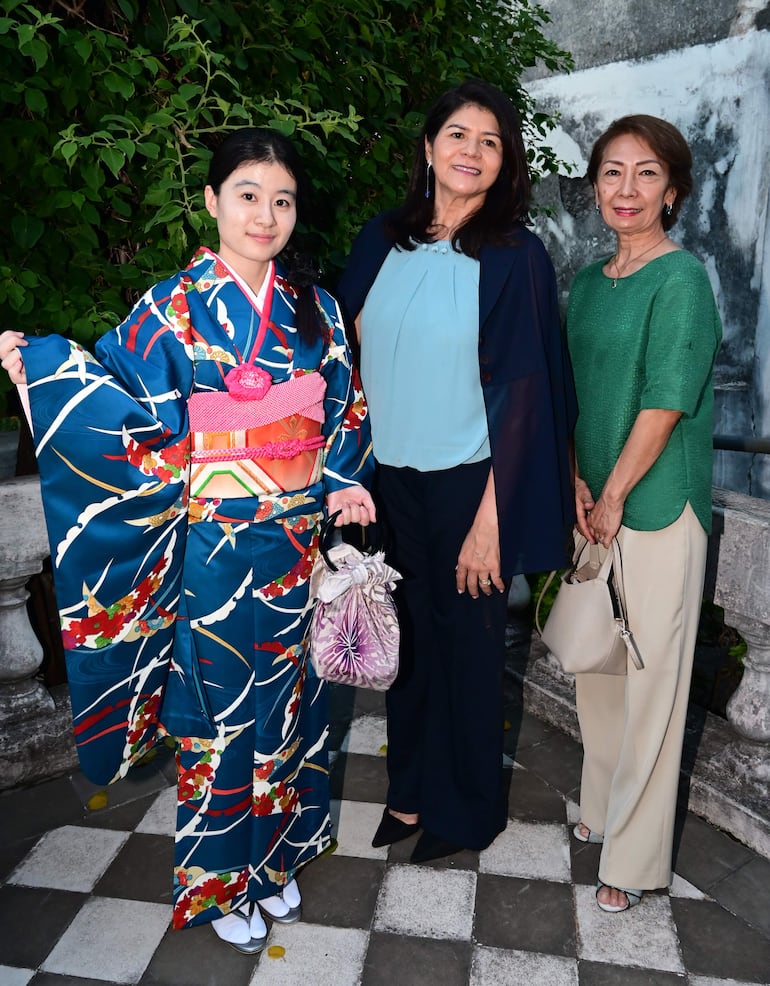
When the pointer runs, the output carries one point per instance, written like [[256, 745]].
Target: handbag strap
[[370, 539]]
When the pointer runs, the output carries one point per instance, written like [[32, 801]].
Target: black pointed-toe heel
[[392, 829], [431, 847]]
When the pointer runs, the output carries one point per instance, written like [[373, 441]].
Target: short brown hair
[[667, 143]]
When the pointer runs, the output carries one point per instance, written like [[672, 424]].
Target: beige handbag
[[587, 629]]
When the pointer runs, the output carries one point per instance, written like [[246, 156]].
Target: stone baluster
[[35, 728], [739, 573]]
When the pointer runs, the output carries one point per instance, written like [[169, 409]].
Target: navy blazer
[[527, 385]]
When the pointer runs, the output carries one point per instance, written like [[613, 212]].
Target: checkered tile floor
[[85, 896]]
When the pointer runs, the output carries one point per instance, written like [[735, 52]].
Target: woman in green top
[[643, 331]]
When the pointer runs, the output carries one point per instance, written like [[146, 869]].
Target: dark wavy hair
[[256, 145], [507, 202], [667, 144]]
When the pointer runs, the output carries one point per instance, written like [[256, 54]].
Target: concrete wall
[[706, 68]]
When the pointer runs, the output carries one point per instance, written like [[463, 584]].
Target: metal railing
[[730, 443]]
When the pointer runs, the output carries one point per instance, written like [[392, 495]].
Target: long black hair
[[256, 145], [506, 205]]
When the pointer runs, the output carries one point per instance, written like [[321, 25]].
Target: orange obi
[[272, 444]]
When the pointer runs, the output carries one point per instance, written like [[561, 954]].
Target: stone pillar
[[35, 728]]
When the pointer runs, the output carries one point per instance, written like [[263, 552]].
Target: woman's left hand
[[355, 504], [604, 521], [478, 564]]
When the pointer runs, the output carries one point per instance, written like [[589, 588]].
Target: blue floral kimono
[[184, 590]]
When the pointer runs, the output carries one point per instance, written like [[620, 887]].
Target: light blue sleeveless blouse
[[420, 362]]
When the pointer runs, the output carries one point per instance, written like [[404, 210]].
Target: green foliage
[[111, 109]]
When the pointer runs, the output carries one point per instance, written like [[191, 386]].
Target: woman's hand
[[355, 504], [584, 504], [604, 521], [478, 564], [10, 356]]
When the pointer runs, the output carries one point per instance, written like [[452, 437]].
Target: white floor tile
[[708, 981], [503, 967], [573, 812], [110, 940], [681, 888], [367, 735], [430, 903], [645, 936], [353, 826], [69, 858], [160, 818], [530, 850], [9, 976], [313, 954]]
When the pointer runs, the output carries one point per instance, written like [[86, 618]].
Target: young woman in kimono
[[185, 470]]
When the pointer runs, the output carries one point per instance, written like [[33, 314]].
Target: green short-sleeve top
[[648, 342]]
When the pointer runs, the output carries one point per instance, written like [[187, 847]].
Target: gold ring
[[485, 581]]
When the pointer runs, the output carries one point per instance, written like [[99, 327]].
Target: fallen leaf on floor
[[384, 748], [97, 801], [276, 952]]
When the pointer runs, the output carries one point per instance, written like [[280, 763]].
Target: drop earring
[[427, 180], [669, 209], [598, 208]]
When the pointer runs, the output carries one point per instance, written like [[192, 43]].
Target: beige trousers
[[633, 727]]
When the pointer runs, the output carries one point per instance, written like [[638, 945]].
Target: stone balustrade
[[35, 723]]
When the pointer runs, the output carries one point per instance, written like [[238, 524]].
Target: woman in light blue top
[[470, 403], [425, 421]]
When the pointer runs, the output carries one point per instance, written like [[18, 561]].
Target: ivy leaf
[[27, 230]]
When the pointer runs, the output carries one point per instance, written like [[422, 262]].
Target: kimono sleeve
[[112, 445]]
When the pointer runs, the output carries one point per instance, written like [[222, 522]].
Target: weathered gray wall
[[707, 70]]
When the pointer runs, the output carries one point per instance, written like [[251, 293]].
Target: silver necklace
[[619, 271]]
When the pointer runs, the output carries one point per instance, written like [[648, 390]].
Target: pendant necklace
[[619, 271]]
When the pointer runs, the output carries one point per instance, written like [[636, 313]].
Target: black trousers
[[445, 710]]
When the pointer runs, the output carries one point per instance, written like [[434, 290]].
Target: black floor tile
[[466, 859], [356, 777], [530, 799], [531, 732], [142, 870], [584, 858], [743, 892], [35, 810], [525, 914], [144, 779], [369, 703], [121, 817], [341, 891], [12, 854], [599, 974], [33, 921], [705, 856], [51, 979], [558, 760], [415, 961], [715, 943], [196, 957]]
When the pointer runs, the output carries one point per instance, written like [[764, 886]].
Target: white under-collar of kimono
[[258, 299]]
